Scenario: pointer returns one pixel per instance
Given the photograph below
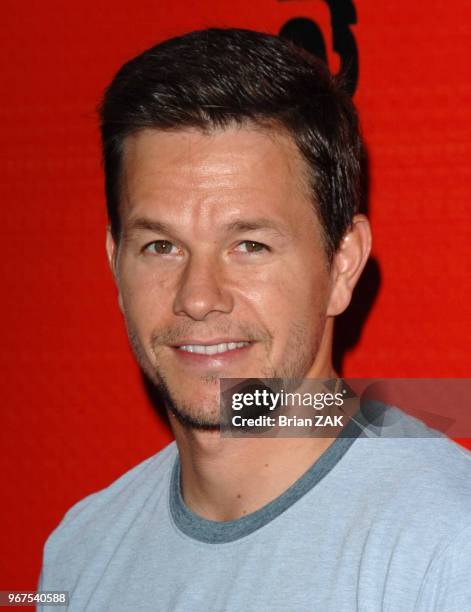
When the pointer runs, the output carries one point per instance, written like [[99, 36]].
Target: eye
[[160, 247], [250, 246]]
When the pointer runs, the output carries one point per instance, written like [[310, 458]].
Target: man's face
[[221, 268]]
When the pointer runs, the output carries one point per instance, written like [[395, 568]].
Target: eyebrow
[[143, 223], [249, 225], [242, 225]]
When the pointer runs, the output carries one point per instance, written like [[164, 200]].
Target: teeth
[[212, 349]]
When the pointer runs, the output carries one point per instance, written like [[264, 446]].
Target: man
[[232, 165]]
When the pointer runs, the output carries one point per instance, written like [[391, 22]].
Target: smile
[[212, 349]]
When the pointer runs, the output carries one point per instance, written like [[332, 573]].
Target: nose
[[202, 290]]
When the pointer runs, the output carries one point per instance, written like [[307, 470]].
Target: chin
[[195, 418], [200, 410], [196, 422]]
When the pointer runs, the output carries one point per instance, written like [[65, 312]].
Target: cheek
[[288, 294], [260, 294], [146, 300]]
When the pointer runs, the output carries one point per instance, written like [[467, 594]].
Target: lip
[[187, 341]]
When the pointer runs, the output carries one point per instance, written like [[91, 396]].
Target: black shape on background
[[305, 33]]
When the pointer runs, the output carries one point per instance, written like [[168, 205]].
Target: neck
[[226, 478]]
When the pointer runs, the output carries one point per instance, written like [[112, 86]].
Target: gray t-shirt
[[378, 523]]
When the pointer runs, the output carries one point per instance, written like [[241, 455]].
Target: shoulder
[[130, 487], [89, 520], [420, 474]]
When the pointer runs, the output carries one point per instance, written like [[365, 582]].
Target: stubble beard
[[299, 357]]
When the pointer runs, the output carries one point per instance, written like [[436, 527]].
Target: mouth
[[218, 351], [214, 348]]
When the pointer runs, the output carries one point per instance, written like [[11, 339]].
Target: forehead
[[216, 175]]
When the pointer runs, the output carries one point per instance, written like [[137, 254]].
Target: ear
[[348, 263], [112, 254]]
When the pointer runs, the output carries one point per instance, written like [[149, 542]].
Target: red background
[[74, 411]]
